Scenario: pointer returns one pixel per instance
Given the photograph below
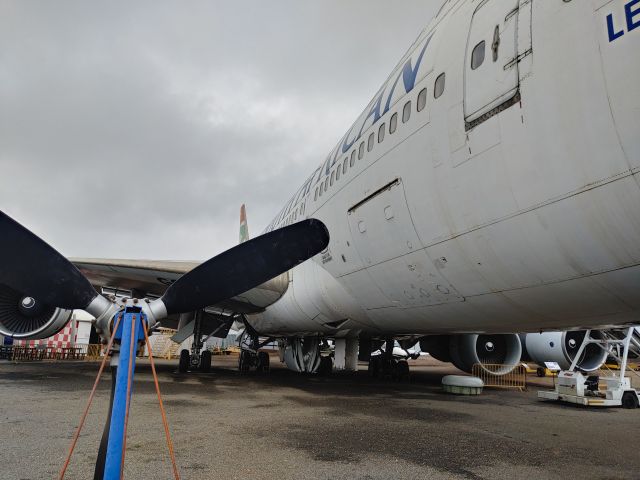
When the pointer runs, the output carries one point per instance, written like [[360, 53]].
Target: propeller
[[34, 268], [30, 265], [245, 266]]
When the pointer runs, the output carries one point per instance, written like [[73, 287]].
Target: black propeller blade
[[246, 266], [34, 268]]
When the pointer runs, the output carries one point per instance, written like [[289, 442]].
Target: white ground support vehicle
[[613, 390]]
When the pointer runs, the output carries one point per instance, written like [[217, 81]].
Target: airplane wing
[[152, 277]]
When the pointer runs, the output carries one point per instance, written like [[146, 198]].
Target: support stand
[[131, 330], [131, 335]]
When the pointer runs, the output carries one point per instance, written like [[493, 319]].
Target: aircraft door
[[491, 67]]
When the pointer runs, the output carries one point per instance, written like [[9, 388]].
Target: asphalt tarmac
[[288, 426]]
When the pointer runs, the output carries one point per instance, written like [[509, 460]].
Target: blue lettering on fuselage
[[632, 17], [409, 74]]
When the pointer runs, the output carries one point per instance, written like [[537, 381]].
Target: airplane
[[490, 187]]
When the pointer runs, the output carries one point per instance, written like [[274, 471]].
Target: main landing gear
[[250, 356], [196, 359], [386, 365]]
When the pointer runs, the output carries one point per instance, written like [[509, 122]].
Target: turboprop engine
[[562, 347], [23, 317], [465, 350]]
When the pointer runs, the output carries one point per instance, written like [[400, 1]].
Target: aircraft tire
[[183, 363], [205, 361], [326, 366], [401, 370], [374, 367], [263, 362], [243, 362], [629, 400]]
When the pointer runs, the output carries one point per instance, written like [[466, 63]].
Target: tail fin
[[244, 228]]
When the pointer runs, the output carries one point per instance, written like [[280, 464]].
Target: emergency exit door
[[491, 67]]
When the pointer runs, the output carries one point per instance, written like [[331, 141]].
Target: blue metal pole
[[129, 328]]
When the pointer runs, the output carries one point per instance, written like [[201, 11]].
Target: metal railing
[[19, 353], [501, 376]]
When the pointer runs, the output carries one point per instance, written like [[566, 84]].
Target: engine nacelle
[[468, 349], [562, 347], [301, 354], [24, 318]]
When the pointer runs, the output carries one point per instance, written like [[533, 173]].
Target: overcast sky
[[136, 129]]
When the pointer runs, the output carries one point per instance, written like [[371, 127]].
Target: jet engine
[[562, 347], [24, 318], [468, 349]]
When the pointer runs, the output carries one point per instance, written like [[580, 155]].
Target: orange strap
[[163, 413], [86, 410]]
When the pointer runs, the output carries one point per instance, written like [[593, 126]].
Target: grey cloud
[[136, 129]]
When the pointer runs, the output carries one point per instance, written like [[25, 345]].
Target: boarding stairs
[[610, 389], [616, 336]]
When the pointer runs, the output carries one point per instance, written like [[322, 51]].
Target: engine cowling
[[24, 318], [562, 347], [468, 349]]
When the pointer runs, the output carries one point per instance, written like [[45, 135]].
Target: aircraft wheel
[[263, 362], [374, 367], [629, 400], [243, 362], [205, 361], [326, 366], [183, 364], [541, 372], [401, 370]]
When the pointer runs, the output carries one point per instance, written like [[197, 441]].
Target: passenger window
[[438, 87], [422, 99], [477, 56], [338, 173], [381, 131], [406, 112], [333, 177], [361, 151], [393, 123], [315, 197], [353, 159], [370, 142], [344, 165]]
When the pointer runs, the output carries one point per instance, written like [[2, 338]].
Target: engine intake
[[23, 317], [468, 349], [562, 347]]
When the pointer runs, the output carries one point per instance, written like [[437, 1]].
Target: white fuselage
[[510, 203]]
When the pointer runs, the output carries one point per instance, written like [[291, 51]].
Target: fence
[[501, 376], [43, 352]]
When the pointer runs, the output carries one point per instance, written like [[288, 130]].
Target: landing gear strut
[[196, 359], [250, 356], [387, 366]]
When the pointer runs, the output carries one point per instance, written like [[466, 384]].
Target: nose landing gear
[[196, 359]]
